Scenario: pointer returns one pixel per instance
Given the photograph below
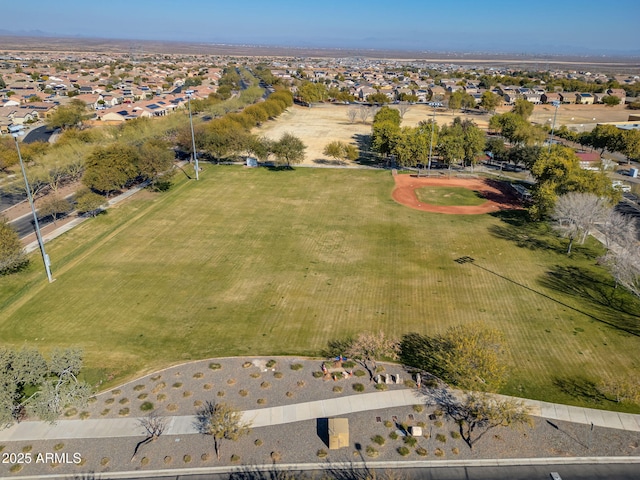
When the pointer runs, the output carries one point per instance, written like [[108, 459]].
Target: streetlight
[[556, 104], [17, 131], [189, 93], [433, 105]]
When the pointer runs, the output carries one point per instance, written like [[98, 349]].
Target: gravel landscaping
[[376, 435]]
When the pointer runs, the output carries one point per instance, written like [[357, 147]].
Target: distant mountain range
[[363, 47]]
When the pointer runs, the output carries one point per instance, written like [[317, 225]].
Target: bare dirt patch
[[496, 193]]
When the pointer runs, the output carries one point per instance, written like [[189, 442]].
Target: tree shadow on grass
[[599, 291], [580, 388], [367, 155]]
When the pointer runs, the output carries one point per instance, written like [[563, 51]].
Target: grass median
[[261, 262]]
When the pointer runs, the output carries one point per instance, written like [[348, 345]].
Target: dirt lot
[[321, 124]]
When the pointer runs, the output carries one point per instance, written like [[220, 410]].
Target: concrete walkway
[[185, 425]]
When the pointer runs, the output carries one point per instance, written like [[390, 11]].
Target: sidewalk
[[185, 425]]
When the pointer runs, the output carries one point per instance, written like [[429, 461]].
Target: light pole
[[433, 105], [189, 93], [556, 104], [17, 131]]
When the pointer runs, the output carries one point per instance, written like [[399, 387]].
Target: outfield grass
[[448, 196], [259, 262]]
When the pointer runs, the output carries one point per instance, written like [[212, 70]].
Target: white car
[[625, 187], [555, 476]]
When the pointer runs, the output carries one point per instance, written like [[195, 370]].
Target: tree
[[497, 148], [108, 169], [222, 422], [156, 157], [523, 108], [624, 265], [403, 108], [310, 92], [606, 137], [610, 100], [88, 201], [12, 256], [67, 115], [53, 206], [490, 101], [480, 411], [450, 147], [387, 114], [367, 348], [365, 112], [378, 98], [289, 150], [473, 141], [30, 384], [576, 213], [631, 144], [153, 426], [352, 114], [384, 136]]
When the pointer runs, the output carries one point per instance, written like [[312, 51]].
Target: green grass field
[[447, 196], [259, 262]]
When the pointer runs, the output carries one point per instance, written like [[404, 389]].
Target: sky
[[584, 27]]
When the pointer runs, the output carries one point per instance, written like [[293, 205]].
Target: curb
[[348, 466]]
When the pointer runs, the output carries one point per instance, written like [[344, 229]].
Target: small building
[[584, 98], [338, 433]]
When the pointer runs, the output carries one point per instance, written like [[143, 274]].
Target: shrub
[[215, 366], [198, 375], [388, 423], [321, 453], [144, 461], [231, 381], [187, 393], [161, 397], [261, 401], [358, 387], [71, 412], [265, 385], [296, 366], [337, 389], [105, 461], [289, 394], [123, 412], [393, 435], [177, 385], [439, 452], [441, 438], [167, 460], [359, 373], [105, 411], [123, 401], [277, 374], [300, 383], [205, 457], [379, 439], [58, 446], [142, 396], [421, 451], [404, 451], [243, 393], [109, 401], [156, 378], [438, 423], [186, 459], [117, 391], [84, 415], [380, 369], [382, 386], [255, 375], [455, 435], [411, 441], [146, 406], [197, 403], [318, 374], [15, 468], [207, 386], [371, 451], [276, 456], [235, 458], [418, 408], [455, 450], [159, 387], [409, 383], [172, 407], [220, 393], [137, 388], [258, 442], [246, 364], [271, 363], [349, 364]]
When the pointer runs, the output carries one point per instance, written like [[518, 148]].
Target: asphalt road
[[40, 134], [533, 472]]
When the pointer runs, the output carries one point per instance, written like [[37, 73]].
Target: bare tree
[[365, 113], [576, 214], [619, 230], [154, 426], [481, 412], [624, 265], [367, 347], [222, 422], [352, 114], [403, 108]]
